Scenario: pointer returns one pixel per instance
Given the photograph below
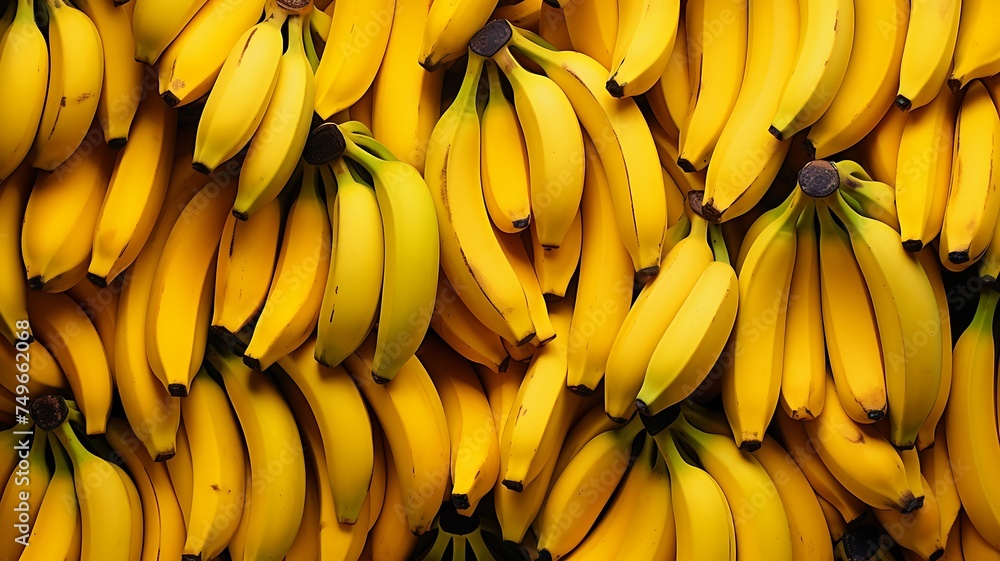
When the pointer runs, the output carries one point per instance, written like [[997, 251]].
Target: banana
[[803, 376], [871, 198], [475, 446], [692, 343], [273, 506], [912, 367], [765, 265], [762, 527], [970, 420], [516, 254], [14, 193], [244, 268], [189, 67], [137, 527], [180, 468], [970, 214], [646, 33], [275, 148], [536, 413], [717, 34], [655, 532], [939, 479], [390, 538], [554, 144], [449, 26], [343, 424], [163, 523], [180, 294], [555, 267], [412, 416], [878, 152], [851, 330], [504, 160], [746, 158], [412, 257], [604, 291], [23, 493], [105, 507], [41, 372], [135, 192], [592, 28], [354, 49], [404, 123], [870, 82], [501, 390], [918, 531], [835, 522], [926, 438], [976, 47], [470, 252], [825, 43], [151, 411], [974, 544], [810, 532], [670, 96], [456, 325], [861, 459], [59, 220], [577, 497], [58, 514], [156, 24], [123, 89], [241, 94], [306, 544], [650, 317], [71, 337], [354, 282], [217, 460], [591, 423], [296, 293], [923, 169], [931, 33], [24, 75]]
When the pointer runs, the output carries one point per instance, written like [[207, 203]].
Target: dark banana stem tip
[[48, 411], [325, 144], [494, 36], [819, 178]]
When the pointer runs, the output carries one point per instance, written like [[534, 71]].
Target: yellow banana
[[390, 538], [592, 27], [449, 26], [241, 94], [879, 150], [14, 193], [505, 160], [23, 493], [974, 544], [825, 43], [284, 127], [36, 367], [553, 28], [931, 32], [871, 198], [939, 480], [135, 192], [646, 33], [156, 24], [180, 468], [918, 531], [926, 438], [58, 514], [976, 46], [516, 254], [501, 390], [24, 75], [456, 325], [555, 267], [670, 96]]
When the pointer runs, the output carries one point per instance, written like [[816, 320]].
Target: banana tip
[[189, 557], [36, 283], [876, 415], [177, 390], [913, 246], [958, 257], [911, 503], [614, 88], [902, 103], [617, 420], [504, 364], [685, 165], [460, 500], [936, 555], [200, 168], [522, 223], [775, 132], [810, 148], [645, 274], [580, 390], [380, 380], [955, 85], [515, 486], [240, 215], [164, 456], [97, 280], [171, 99], [544, 555], [750, 445], [116, 143]]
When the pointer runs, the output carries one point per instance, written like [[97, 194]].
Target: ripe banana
[[974, 544], [516, 254], [870, 198], [156, 24], [976, 46], [825, 43], [135, 192], [646, 33], [58, 514], [456, 325], [592, 28], [870, 82], [390, 537], [931, 32], [555, 267], [24, 75], [918, 531], [504, 160], [24, 490], [879, 150], [926, 438], [14, 193], [670, 96], [449, 26]]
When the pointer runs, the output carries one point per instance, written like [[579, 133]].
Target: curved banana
[[592, 28], [555, 267], [717, 31], [218, 483], [926, 438], [604, 290], [24, 491], [470, 252], [505, 159], [750, 390], [649, 318], [501, 390], [931, 33], [456, 325], [180, 468], [849, 325], [879, 150], [357, 258], [626, 149], [156, 24], [58, 232], [241, 94], [72, 339], [123, 88], [977, 49], [971, 420], [275, 148], [404, 123], [344, 424], [449, 26], [359, 34], [180, 295], [971, 212], [870, 82], [189, 67], [135, 192], [825, 43], [870, 198], [935, 466], [670, 96], [14, 194], [646, 33], [273, 505], [24, 76], [475, 445], [52, 532], [919, 531], [974, 544], [43, 374], [516, 254], [390, 538], [244, 268], [746, 157]]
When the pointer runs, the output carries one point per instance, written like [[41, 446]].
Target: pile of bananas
[[499, 279]]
